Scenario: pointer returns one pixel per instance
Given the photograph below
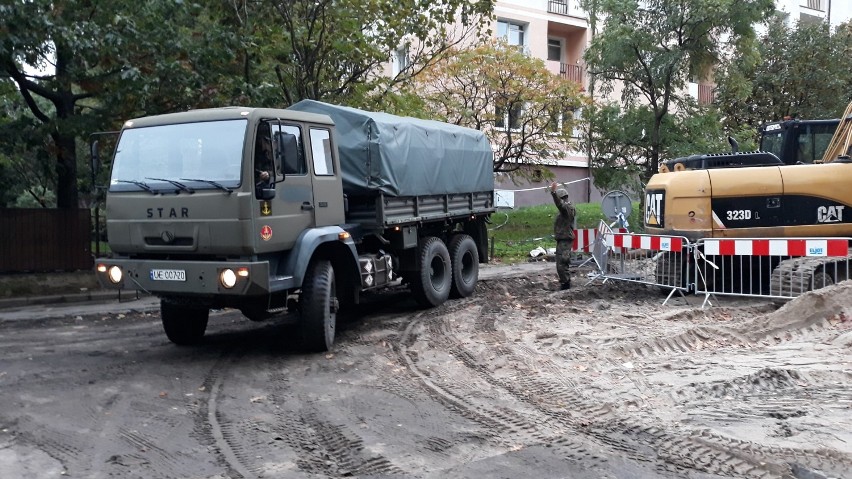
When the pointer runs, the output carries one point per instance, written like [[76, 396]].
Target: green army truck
[[350, 201]]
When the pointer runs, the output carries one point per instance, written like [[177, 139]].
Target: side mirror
[[286, 153], [267, 194]]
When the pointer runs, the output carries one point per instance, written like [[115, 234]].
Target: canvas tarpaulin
[[403, 156]]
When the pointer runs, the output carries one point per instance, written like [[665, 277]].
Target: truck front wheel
[[318, 304], [465, 261], [431, 284], [183, 324]]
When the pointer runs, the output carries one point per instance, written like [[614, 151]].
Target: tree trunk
[[66, 171]]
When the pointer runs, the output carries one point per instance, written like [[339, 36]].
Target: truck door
[[282, 219], [327, 182]]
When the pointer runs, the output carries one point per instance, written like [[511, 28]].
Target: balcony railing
[[557, 6], [814, 5], [706, 94], [571, 72]]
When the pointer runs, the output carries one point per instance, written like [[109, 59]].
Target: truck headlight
[[228, 278], [115, 275]]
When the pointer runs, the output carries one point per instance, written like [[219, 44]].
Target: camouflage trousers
[[563, 260]]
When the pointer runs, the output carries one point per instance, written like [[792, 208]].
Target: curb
[[91, 296]]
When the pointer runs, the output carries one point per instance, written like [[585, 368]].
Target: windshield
[[197, 155], [772, 141]]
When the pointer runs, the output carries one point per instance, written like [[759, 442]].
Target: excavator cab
[[797, 142]]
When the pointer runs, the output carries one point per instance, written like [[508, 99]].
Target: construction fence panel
[[769, 267], [641, 258]]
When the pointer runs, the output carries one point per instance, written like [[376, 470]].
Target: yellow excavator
[[696, 200]]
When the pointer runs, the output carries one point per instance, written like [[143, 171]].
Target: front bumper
[[189, 277]]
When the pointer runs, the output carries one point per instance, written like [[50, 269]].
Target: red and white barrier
[[649, 242], [584, 239], [776, 247]]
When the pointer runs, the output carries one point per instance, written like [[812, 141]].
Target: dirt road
[[518, 381]]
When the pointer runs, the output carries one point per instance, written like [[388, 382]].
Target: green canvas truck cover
[[404, 156]]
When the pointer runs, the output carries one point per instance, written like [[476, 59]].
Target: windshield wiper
[[211, 182], [180, 185], [140, 184]]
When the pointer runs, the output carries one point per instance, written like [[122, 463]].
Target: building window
[[556, 122], [401, 60], [512, 32], [508, 118], [554, 49]]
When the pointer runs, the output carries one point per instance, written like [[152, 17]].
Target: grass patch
[[515, 232], [104, 251]]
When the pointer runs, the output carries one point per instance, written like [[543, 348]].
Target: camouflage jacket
[[563, 225]]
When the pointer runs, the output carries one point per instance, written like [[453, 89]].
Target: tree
[[800, 72], [649, 50], [336, 52], [98, 66], [524, 109]]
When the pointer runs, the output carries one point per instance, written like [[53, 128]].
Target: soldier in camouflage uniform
[[563, 231]]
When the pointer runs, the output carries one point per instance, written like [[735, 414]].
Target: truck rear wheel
[[183, 324], [431, 285], [318, 305], [465, 261]]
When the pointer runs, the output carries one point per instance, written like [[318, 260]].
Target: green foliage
[[336, 52], [648, 51], [524, 109], [101, 64], [516, 232], [799, 72]]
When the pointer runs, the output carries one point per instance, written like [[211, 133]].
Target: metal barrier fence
[[640, 258], [584, 239], [765, 267]]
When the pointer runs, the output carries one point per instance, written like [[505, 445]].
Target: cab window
[[321, 151]]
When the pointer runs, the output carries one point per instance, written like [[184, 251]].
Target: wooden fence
[[44, 240]]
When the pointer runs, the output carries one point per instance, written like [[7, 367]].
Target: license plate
[[168, 275]]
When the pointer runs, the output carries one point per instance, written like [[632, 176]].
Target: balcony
[[558, 7], [704, 93], [569, 71], [812, 4]]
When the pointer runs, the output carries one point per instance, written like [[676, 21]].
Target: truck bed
[[382, 211]]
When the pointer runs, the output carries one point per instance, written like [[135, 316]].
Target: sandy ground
[[519, 380]]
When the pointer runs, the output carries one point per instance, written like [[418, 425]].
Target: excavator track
[[795, 276]]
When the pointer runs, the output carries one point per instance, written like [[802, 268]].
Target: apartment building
[[834, 12], [558, 32]]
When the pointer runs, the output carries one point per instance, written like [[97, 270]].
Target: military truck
[[293, 210]]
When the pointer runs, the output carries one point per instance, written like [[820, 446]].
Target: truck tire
[[318, 305], [431, 285], [183, 325], [465, 261]]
